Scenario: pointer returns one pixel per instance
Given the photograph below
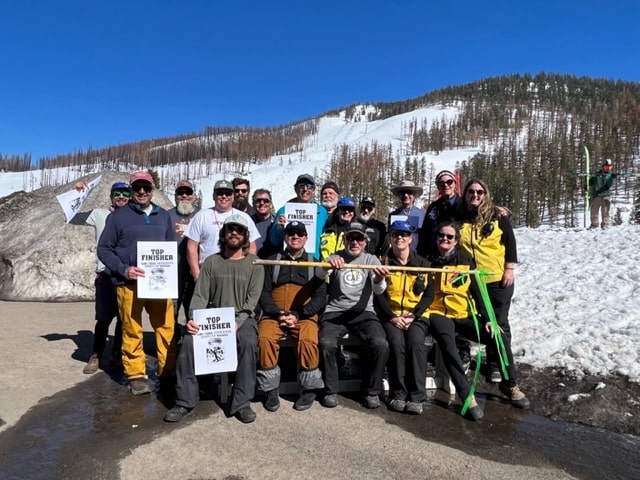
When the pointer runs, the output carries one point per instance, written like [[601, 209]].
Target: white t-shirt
[[205, 229], [98, 218]]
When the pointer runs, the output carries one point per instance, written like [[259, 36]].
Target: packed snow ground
[[577, 297]]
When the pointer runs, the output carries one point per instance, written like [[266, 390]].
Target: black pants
[[408, 361], [444, 332], [106, 307], [367, 327], [501, 302], [244, 386]]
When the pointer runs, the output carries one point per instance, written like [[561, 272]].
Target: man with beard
[[227, 279], [140, 220], [350, 310], [181, 216], [106, 304], [241, 191], [376, 230], [263, 218], [329, 198], [203, 231]]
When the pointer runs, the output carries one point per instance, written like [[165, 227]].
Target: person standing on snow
[[600, 185]]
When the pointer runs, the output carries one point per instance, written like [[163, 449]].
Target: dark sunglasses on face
[[402, 193], [448, 183], [224, 193], [117, 193], [308, 186], [346, 210], [478, 192], [147, 187], [260, 201], [355, 238], [184, 191], [366, 207], [400, 234], [241, 190], [448, 236], [297, 234], [236, 229]]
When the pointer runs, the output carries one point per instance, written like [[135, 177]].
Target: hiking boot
[[371, 401], [92, 365], [474, 410], [413, 408], [397, 405], [246, 415], [272, 402], [495, 376], [330, 400], [305, 401], [140, 386], [518, 399], [176, 414]]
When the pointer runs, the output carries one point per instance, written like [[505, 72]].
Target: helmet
[[346, 202]]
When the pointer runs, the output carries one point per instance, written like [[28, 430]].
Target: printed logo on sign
[[215, 352]]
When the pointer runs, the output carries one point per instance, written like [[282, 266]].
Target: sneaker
[[371, 401], [518, 399], [413, 408], [330, 400], [305, 401], [495, 376], [474, 410], [92, 365], [397, 405], [177, 413], [246, 415], [140, 386], [272, 402]]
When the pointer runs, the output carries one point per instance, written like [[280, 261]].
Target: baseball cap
[[140, 176], [607, 162], [120, 186], [184, 184], [237, 219], [401, 226], [368, 199], [356, 227], [305, 178], [295, 227], [223, 185], [346, 202]]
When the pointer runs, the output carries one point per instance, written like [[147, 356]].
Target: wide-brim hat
[[407, 185]]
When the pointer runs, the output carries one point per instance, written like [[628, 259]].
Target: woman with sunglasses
[[488, 237], [456, 303], [400, 309]]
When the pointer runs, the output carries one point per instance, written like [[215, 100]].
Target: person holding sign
[[227, 279], [291, 300], [350, 310], [140, 220], [305, 189]]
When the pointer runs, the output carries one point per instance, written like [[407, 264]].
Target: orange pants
[[305, 333], [161, 319]]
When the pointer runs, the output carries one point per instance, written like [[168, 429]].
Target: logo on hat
[[295, 227], [223, 185], [236, 219]]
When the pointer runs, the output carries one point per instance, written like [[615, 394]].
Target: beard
[[329, 204], [185, 208], [241, 204], [364, 217]]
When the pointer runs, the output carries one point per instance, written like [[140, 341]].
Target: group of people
[[392, 285]]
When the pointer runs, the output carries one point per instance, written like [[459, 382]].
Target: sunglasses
[[366, 207], [224, 193], [478, 192], [400, 234], [346, 210], [147, 187], [308, 186], [297, 234], [402, 193], [117, 193], [236, 229], [184, 191], [447, 183], [355, 238], [260, 201], [448, 236], [241, 190]]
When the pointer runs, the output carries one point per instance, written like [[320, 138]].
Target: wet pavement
[[84, 431]]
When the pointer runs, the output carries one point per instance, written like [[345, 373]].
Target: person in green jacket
[[600, 185]]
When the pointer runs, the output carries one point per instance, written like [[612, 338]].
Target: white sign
[[72, 201], [306, 213], [214, 346], [160, 263]]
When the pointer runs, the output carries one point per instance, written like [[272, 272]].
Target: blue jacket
[[276, 236], [118, 244]]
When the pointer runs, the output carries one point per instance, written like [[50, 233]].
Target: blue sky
[[80, 74]]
